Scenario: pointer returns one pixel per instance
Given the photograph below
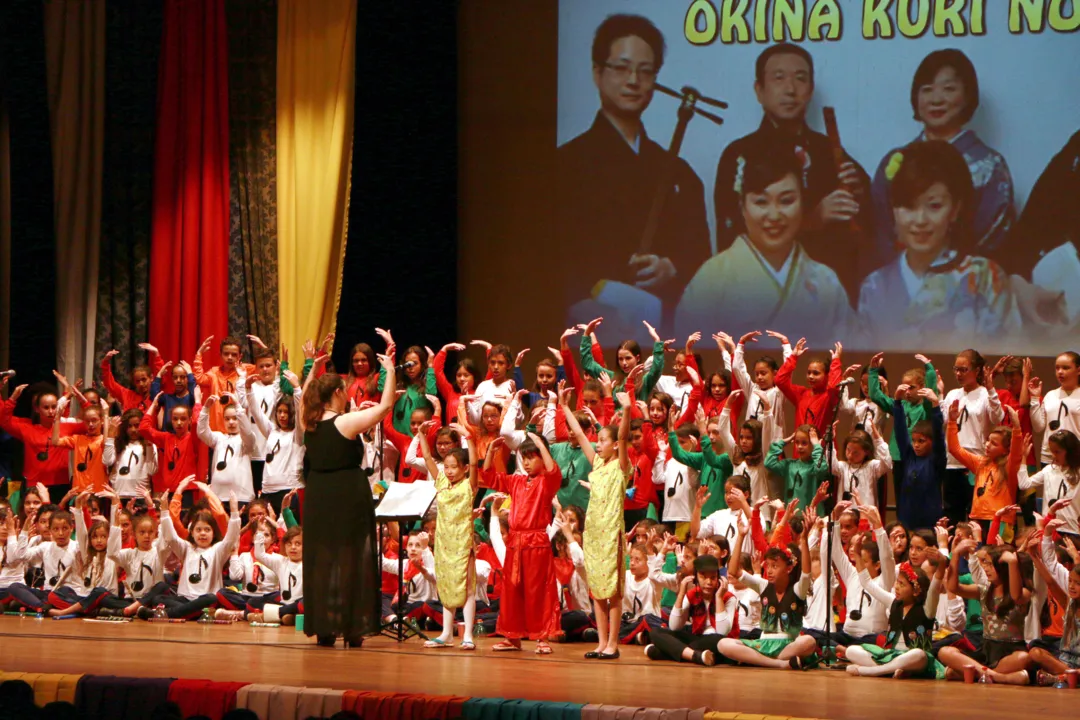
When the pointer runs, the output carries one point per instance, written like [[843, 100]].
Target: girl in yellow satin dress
[[455, 568], [603, 537]]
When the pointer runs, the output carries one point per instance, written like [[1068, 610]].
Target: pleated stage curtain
[[33, 248], [315, 74], [75, 62], [189, 283], [253, 260], [133, 30], [5, 236]]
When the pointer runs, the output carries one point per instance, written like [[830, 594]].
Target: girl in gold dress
[[455, 573], [604, 529]]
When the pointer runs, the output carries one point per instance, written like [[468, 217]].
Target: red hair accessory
[[909, 572]]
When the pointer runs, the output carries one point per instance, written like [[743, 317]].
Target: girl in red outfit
[[361, 382], [178, 448], [43, 462], [466, 378], [813, 404], [529, 607], [141, 378]]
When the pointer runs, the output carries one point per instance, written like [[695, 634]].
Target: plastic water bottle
[[207, 616]]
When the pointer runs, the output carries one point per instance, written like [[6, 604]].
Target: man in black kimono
[[608, 177], [833, 197]]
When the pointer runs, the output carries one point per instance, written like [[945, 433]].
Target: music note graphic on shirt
[[225, 457], [864, 598], [963, 417], [132, 458], [798, 480], [730, 532], [286, 594], [852, 484], [674, 488]]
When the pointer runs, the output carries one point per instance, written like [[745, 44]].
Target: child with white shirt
[[767, 406], [576, 621], [866, 616], [57, 558], [680, 486], [132, 458], [258, 583], [143, 565], [289, 569], [1060, 479], [641, 597], [725, 522], [230, 464], [1060, 408], [980, 412], [865, 459], [94, 572], [202, 558], [12, 551], [281, 440], [705, 613]]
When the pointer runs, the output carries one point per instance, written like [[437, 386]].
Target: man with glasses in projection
[[608, 177], [839, 209]]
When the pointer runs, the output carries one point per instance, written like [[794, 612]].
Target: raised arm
[[574, 426], [624, 436], [352, 424], [429, 462]]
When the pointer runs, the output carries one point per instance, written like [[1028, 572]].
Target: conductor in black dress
[[609, 175], [341, 563]]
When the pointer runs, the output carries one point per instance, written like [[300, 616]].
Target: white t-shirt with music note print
[[680, 484]]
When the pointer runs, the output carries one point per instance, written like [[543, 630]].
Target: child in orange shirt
[[88, 448], [220, 381], [995, 472]]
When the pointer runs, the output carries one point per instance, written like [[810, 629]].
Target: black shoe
[[653, 653], [796, 663], [592, 655], [609, 656], [144, 613], [109, 613], [324, 640], [704, 657], [355, 642], [590, 635]]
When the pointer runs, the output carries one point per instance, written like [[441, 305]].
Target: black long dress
[[341, 574]]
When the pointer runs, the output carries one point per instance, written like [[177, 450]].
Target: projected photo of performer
[[833, 197], [944, 98], [608, 177], [766, 278]]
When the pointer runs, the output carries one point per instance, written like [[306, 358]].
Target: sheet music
[[406, 500]]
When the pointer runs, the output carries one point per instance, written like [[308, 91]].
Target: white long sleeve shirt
[[862, 479], [282, 450], [772, 422], [1059, 407], [230, 463], [56, 562], [252, 393], [12, 560], [1057, 485], [419, 588], [254, 577], [132, 467], [142, 568], [205, 565], [641, 597], [873, 616], [290, 574]]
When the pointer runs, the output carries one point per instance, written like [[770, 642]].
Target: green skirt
[[934, 670], [772, 647]]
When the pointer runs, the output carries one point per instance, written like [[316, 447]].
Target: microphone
[[846, 382], [7, 373], [405, 365]]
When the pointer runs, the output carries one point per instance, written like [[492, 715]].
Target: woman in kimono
[[766, 279], [944, 98], [937, 293]]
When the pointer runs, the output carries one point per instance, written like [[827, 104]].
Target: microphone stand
[[828, 654]]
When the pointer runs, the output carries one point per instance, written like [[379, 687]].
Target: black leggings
[[672, 642]]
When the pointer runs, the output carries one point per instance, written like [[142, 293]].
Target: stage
[[283, 656]]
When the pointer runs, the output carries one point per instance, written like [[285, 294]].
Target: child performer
[[144, 564], [57, 558], [713, 614], [1060, 479], [529, 604], [141, 375], [231, 461], [289, 569], [783, 606], [258, 584], [813, 403], [42, 464], [202, 558], [641, 596], [284, 442], [996, 472], [1064, 586], [220, 381], [12, 551], [923, 461], [628, 357], [132, 458], [603, 537], [803, 473], [865, 459], [94, 573], [766, 406], [182, 395], [87, 450], [455, 559], [912, 604], [1003, 657], [178, 445]]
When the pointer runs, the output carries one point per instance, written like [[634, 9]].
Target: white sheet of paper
[[406, 499]]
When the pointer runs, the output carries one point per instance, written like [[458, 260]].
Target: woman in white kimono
[[766, 279]]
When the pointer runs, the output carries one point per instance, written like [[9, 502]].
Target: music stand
[[403, 503]]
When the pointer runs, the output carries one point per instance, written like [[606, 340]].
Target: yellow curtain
[[315, 73], [75, 65]]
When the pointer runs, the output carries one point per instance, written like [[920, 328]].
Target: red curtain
[[190, 244]]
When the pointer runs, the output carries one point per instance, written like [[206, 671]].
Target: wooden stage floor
[[281, 656]]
